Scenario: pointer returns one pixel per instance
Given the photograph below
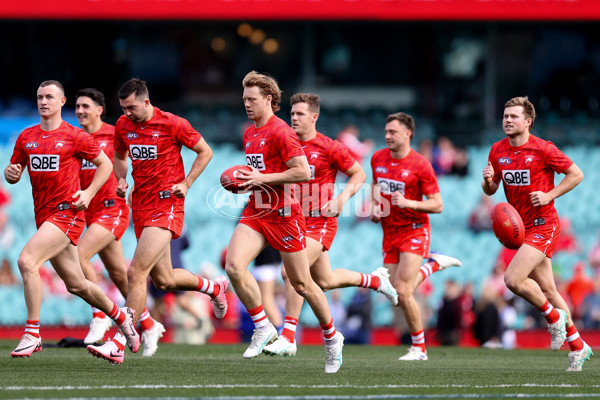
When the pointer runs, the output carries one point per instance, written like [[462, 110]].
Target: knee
[[511, 283], [234, 269], [134, 278], [164, 285], [300, 288], [118, 276], [404, 296], [323, 284], [78, 289], [26, 265]]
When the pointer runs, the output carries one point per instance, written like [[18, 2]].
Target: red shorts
[[169, 217], [322, 229], [405, 239], [114, 219], [288, 236], [543, 237], [70, 221]]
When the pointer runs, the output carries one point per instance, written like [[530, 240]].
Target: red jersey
[[325, 157], [105, 137], [268, 148], [53, 159], [412, 176], [154, 147], [527, 169]]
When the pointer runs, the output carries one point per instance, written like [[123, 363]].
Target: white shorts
[[267, 272]]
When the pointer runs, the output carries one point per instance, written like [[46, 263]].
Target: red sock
[[289, 329], [117, 315], [33, 328], [369, 281], [549, 312], [97, 313], [573, 338], [328, 330], [418, 339], [259, 317], [429, 268], [208, 287], [119, 340], [146, 320]]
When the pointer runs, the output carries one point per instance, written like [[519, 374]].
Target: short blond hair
[[528, 108], [267, 85]]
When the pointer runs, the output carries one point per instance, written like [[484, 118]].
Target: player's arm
[[13, 173], [432, 204], [573, 176], [103, 171], [298, 171], [357, 177], [375, 202], [487, 184], [203, 155], [120, 168]]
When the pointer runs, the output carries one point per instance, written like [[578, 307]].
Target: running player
[[526, 165], [107, 219], [401, 178], [153, 139], [325, 158], [53, 152], [274, 216]]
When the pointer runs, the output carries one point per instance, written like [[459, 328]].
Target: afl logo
[[132, 136], [504, 160], [381, 170], [31, 145]]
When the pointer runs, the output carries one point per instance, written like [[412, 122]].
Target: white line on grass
[[233, 386]]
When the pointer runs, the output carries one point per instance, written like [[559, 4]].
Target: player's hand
[[488, 172], [252, 178], [83, 200], [12, 173], [332, 208], [179, 190], [400, 201], [376, 214], [539, 199], [122, 188]]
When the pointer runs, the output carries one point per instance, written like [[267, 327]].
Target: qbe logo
[[85, 164], [143, 152], [389, 186], [256, 160], [518, 177], [44, 162]]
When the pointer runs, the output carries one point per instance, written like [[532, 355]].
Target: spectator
[[590, 308], [349, 136], [444, 155], [449, 321], [568, 239], [460, 167], [578, 287], [357, 327], [480, 218], [426, 149], [7, 278], [594, 257]]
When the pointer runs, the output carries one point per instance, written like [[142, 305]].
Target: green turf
[[220, 371]]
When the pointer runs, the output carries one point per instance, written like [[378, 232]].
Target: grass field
[[180, 371]]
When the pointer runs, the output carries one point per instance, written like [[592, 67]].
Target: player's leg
[[403, 277], [46, 243], [436, 262], [579, 350], [92, 241], [285, 345], [267, 289], [298, 270], [245, 244]]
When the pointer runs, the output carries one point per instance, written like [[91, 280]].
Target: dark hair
[[133, 86], [404, 119], [55, 83], [267, 85], [309, 98], [96, 96]]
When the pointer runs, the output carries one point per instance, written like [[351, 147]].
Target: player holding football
[[274, 216], [325, 158], [107, 219], [526, 165], [401, 178], [153, 139], [53, 151]]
